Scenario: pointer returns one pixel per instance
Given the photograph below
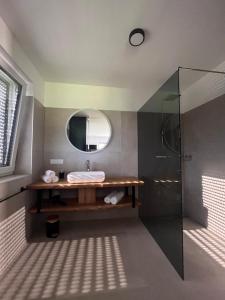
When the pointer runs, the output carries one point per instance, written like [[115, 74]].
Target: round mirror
[[89, 130]]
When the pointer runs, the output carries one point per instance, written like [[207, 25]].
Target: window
[[10, 98]]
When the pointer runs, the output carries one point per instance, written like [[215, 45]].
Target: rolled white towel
[[55, 179], [50, 173], [107, 199], [46, 179], [116, 198]]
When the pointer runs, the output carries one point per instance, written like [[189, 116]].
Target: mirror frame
[[110, 129]]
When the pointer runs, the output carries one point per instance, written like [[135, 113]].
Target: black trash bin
[[52, 226]]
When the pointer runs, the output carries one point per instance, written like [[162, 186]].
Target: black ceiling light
[[137, 37]]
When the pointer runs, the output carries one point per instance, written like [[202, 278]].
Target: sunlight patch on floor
[[66, 267], [207, 240]]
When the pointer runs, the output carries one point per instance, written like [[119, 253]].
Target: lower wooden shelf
[[73, 205]]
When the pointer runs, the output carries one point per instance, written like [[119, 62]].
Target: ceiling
[[86, 42]]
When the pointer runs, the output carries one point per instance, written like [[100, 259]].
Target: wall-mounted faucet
[[88, 165]]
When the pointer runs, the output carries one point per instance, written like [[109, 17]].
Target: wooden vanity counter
[[64, 185], [87, 199]]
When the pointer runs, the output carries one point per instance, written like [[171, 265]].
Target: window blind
[[10, 92]]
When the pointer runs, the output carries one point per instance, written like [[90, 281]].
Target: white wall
[[208, 87], [12, 51], [65, 95]]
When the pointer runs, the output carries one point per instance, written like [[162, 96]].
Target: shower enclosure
[[184, 183], [159, 159]]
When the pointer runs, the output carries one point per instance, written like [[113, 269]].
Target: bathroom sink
[[82, 177]]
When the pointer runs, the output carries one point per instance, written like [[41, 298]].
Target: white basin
[[82, 177]]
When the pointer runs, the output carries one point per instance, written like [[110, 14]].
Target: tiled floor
[[115, 259]]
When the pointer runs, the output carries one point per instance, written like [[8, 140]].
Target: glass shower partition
[[159, 160]]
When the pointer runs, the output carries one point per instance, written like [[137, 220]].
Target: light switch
[[54, 161]]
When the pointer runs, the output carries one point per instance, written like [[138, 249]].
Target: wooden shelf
[[72, 205], [64, 185], [86, 195]]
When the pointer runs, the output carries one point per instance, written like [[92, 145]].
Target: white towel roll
[[46, 179], [107, 199], [55, 179], [50, 173], [116, 198]]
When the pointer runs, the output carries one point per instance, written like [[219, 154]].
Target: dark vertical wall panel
[[159, 158]]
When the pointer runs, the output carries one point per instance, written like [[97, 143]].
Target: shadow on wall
[[66, 267], [204, 179], [210, 209], [213, 199], [211, 237]]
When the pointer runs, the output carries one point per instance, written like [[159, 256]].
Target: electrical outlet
[[54, 161]]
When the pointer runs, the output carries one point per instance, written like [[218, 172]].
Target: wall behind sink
[[119, 158]]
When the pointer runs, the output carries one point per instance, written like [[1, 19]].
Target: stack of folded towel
[[50, 177], [114, 197]]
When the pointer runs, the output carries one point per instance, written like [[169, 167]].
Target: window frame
[[9, 71]]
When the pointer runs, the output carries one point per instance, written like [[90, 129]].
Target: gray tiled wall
[[38, 140], [24, 153], [15, 222], [119, 158], [204, 174]]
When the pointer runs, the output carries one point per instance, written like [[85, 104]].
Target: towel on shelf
[[50, 177], [50, 173], [116, 198], [107, 199], [55, 179], [46, 179]]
